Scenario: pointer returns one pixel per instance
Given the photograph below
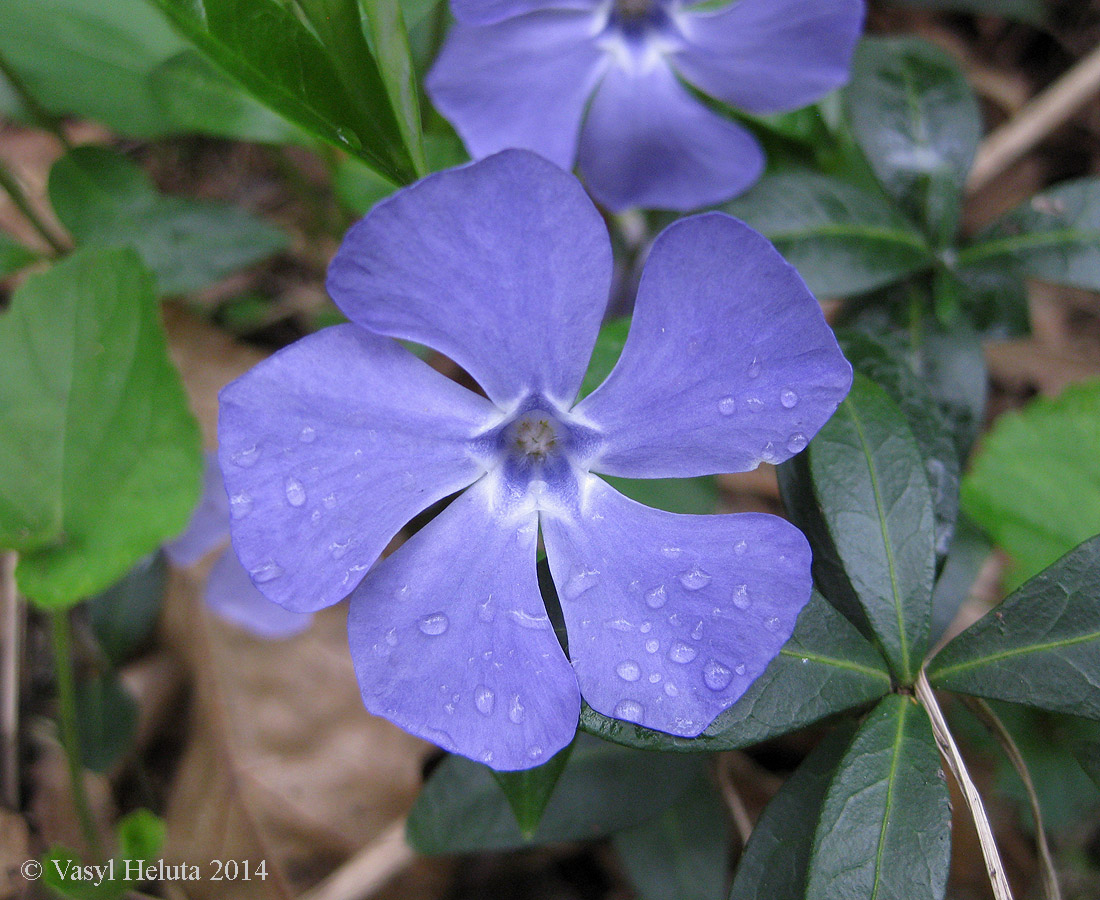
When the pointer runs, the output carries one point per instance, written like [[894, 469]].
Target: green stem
[[70, 738], [43, 118], [11, 186]]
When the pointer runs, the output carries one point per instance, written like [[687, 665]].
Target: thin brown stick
[[950, 752], [734, 801], [369, 870], [10, 652], [997, 728], [1046, 112]]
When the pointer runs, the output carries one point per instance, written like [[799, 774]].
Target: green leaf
[[140, 835], [931, 429], [13, 255], [359, 188], [123, 616], [825, 668], [65, 873], [1040, 647], [390, 42], [951, 364], [106, 717], [885, 824], [270, 51], [529, 790], [969, 550], [99, 59], [1054, 236], [1033, 11], [915, 117], [777, 856], [604, 789], [1088, 755], [1033, 486], [681, 854], [843, 240], [104, 457], [608, 349], [868, 475], [105, 200]]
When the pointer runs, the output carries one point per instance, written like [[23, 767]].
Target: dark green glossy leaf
[[267, 48], [885, 366], [1040, 647], [359, 188], [99, 59], [1034, 485], [915, 117], [1054, 236], [105, 457], [1088, 755], [825, 667], [969, 550], [604, 789], [1033, 11], [529, 790], [106, 717], [123, 616], [868, 476], [682, 853], [105, 200], [842, 239], [777, 856], [13, 255], [885, 824], [951, 364]]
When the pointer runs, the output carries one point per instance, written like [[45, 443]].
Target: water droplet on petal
[[339, 548], [671, 689], [434, 624], [652, 646], [754, 368], [797, 442], [269, 571], [671, 552], [755, 404], [582, 580], [739, 668], [485, 611], [295, 493], [391, 637], [772, 623], [516, 710], [740, 547], [655, 677], [645, 627], [525, 620], [697, 631], [768, 454], [484, 700], [629, 670], [789, 399], [246, 457], [656, 598], [535, 752], [329, 501], [727, 406], [619, 625], [307, 435], [716, 676], [741, 596], [629, 711], [694, 579], [315, 516], [240, 505], [682, 653], [486, 756]]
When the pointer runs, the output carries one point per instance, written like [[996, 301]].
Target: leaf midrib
[[891, 781], [1015, 651]]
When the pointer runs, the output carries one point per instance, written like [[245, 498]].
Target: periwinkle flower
[[599, 82], [334, 443]]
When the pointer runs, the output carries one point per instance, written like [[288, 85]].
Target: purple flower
[[599, 82], [334, 443]]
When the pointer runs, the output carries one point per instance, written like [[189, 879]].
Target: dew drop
[[245, 458], [671, 552], [629, 670], [694, 579], [485, 611], [789, 399], [486, 756], [339, 548], [740, 547], [269, 571], [525, 620], [739, 669], [516, 710], [307, 435], [582, 580], [619, 625], [741, 596], [772, 623], [240, 505], [295, 493], [535, 752], [681, 653], [329, 501], [754, 368], [656, 598], [655, 677], [697, 631], [315, 516], [629, 711], [652, 646], [715, 675], [484, 700], [645, 627], [755, 404], [391, 637], [797, 442], [434, 624], [671, 689], [727, 406]]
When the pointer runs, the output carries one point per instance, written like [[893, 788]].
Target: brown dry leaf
[[14, 851], [283, 762]]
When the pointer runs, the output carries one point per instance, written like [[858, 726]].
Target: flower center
[[534, 435]]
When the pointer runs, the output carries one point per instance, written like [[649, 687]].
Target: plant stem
[[43, 118], [996, 727], [70, 738], [950, 752], [11, 186]]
